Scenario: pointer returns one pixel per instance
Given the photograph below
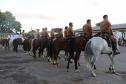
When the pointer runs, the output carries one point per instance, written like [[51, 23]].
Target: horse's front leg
[[66, 55], [71, 54], [34, 52], [55, 57], [69, 58], [40, 51]]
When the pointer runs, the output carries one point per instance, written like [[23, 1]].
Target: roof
[[114, 27]]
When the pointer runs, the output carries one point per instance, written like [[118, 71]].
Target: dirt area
[[21, 68]]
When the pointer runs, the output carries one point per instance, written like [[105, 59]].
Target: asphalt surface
[[21, 68]]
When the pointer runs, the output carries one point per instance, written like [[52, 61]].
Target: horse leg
[[40, 51], [76, 60], [78, 56], [16, 48], [69, 59], [34, 52], [92, 71], [111, 68], [93, 59], [66, 55], [49, 53], [55, 57]]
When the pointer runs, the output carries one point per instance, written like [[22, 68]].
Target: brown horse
[[5, 43], [39, 44], [61, 44], [27, 44]]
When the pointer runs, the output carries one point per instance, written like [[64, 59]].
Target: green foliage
[[8, 23]]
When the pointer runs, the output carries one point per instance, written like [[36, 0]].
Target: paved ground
[[20, 68]]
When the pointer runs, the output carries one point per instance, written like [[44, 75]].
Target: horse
[[94, 48], [16, 43], [61, 44], [27, 44], [56, 45], [35, 46], [43, 43], [5, 43], [39, 44], [120, 37]]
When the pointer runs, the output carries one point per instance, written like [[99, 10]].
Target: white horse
[[93, 49], [120, 36]]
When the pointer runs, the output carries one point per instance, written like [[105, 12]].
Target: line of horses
[[92, 49]]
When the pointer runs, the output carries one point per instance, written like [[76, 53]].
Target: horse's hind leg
[[76, 60], [93, 65], [111, 68]]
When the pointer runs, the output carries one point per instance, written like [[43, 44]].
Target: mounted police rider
[[107, 34], [87, 30]]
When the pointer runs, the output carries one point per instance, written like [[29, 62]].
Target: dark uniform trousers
[[107, 37]]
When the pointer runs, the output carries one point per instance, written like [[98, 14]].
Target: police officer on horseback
[[46, 33], [52, 35], [87, 29], [60, 34], [65, 32], [36, 34], [107, 34]]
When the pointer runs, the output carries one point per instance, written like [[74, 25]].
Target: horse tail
[[88, 53]]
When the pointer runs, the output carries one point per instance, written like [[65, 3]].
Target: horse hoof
[[94, 67], [54, 63], [67, 70], [93, 74], [48, 60], [110, 70], [77, 71], [70, 61], [113, 71], [79, 64], [34, 57]]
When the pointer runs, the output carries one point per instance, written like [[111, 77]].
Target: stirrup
[[116, 53]]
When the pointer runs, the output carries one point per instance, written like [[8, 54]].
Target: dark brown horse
[[5, 43], [27, 44], [39, 44], [16, 43], [35, 46], [61, 44]]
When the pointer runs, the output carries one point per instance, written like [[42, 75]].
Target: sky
[[37, 14]]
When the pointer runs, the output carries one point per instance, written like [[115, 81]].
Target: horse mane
[[97, 34]]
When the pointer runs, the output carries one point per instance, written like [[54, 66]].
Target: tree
[[8, 23]]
